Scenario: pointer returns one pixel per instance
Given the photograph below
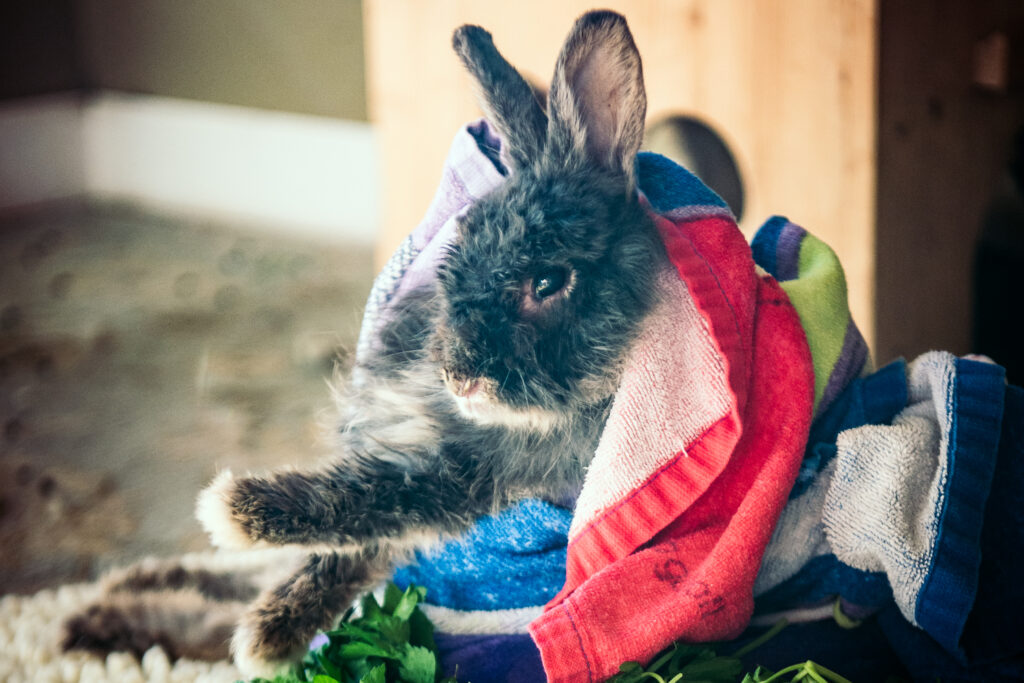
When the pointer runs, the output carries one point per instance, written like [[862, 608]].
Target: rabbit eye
[[548, 283]]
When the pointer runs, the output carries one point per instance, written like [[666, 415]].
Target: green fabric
[[819, 295]]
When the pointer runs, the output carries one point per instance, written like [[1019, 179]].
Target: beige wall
[[301, 56]]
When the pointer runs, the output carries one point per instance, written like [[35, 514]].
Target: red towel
[[682, 497]]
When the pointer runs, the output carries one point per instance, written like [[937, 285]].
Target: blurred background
[[195, 195]]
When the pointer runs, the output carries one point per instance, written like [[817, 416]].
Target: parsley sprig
[[683, 663], [391, 642]]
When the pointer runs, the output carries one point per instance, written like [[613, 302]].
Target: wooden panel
[[788, 83], [943, 146]]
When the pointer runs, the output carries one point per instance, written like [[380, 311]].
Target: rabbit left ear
[[597, 102], [506, 97]]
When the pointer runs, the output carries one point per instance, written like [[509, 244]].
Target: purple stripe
[[694, 212], [849, 364], [510, 658], [787, 252]]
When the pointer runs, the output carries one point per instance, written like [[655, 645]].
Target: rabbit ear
[[597, 101], [506, 97]]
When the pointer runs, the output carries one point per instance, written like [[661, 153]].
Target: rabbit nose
[[466, 388], [460, 385]]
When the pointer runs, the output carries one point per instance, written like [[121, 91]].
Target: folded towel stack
[[748, 453]]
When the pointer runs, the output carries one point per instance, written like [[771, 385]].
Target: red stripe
[[694, 581], [707, 254]]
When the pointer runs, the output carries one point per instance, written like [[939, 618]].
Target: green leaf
[[371, 610], [362, 667], [419, 665], [392, 596], [393, 643], [689, 653], [394, 630], [724, 669], [321, 660], [321, 678], [354, 650], [628, 671], [351, 631], [421, 631], [407, 603], [378, 674]]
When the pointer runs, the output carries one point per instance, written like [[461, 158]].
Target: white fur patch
[[486, 410], [247, 660], [414, 539], [213, 510]]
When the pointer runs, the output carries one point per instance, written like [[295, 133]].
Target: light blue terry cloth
[[890, 498], [908, 499]]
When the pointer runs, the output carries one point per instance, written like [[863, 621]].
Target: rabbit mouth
[[488, 410], [477, 401]]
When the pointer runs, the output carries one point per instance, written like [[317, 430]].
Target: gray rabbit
[[493, 382]]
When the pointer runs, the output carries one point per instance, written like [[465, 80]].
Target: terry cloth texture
[[716, 399], [709, 453]]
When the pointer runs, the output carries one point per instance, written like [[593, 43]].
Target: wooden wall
[[943, 145], [790, 84]]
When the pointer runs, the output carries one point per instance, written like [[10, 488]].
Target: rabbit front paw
[[217, 512], [267, 644]]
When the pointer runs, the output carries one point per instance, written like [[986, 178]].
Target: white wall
[[271, 170]]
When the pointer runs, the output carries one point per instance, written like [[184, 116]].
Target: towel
[[703, 442], [752, 463]]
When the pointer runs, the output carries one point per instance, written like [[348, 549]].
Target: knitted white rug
[[30, 632], [31, 628]]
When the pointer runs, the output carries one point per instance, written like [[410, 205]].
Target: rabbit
[[492, 383]]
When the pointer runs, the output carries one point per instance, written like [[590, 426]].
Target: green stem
[[808, 670], [777, 674], [654, 666], [831, 675], [761, 639], [812, 672]]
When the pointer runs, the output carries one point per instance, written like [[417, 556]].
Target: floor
[[140, 353]]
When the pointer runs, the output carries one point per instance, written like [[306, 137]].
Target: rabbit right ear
[[597, 101], [506, 97]]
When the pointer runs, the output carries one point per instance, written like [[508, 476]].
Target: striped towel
[[716, 399], [711, 484]]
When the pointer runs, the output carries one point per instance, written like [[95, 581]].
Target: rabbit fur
[[492, 383]]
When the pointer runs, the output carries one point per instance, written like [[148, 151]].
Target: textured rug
[[140, 353], [30, 635]]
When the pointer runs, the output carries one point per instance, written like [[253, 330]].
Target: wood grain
[[789, 84]]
